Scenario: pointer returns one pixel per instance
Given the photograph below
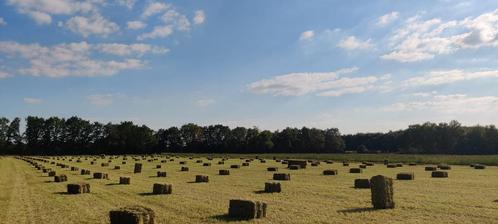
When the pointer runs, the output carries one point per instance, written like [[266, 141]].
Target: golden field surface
[[28, 195]]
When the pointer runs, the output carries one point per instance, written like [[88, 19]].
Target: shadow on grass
[[193, 182], [62, 193], [147, 194], [225, 218], [356, 210], [112, 184], [264, 192], [496, 201]]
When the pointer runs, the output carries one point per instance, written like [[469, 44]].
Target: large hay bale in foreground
[[132, 215], [124, 180], [430, 168], [355, 170], [201, 178], [281, 176], [272, 169], [361, 183], [80, 188], [161, 174], [301, 163], [439, 174], [245, 209], [60, 178], [330, 172], [273, 187], [162, 189], [138, 168], [405, 176], [224, 172], [382, 192]]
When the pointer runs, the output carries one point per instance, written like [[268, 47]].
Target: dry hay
[[391, 165], [224, 172], [301, 163], [405, 176], [80, 188], [206, 164], [60, 178], [382, 192], [117, 167], [362, 183], [444, 167], [294, 167], [184, 169], [161, 174], [162, 188], [430, 168], [330, 172], [234, 166], [158, 166], [479, 167], [246, 209], [124, 180], [273, 187], [85, 172], [439, 174], [201, 178], [132, 215], [355, 170], [272, 169], [138, 168], [281, 176], [100, 176]]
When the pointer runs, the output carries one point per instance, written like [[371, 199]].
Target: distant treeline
[[55, 136]]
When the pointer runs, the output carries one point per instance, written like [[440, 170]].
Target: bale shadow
[[496, 201], [357, 210], [225, 218], [62, 193], [193, 182], [48, 181], [146, 194], [263, 192], [112, 184]]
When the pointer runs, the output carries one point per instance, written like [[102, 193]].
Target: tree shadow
[[225, 218], [357, 210]]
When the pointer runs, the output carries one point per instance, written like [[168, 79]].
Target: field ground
[[28, 196]]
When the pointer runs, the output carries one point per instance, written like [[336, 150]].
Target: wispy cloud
[[307, 35], [103, 100], [387, 18], [32, 101], [199, 17], [204, 102], [353, 43]]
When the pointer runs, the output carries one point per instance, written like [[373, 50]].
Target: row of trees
[[56, 135]]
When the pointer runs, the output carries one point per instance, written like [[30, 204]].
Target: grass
[[467, 196]]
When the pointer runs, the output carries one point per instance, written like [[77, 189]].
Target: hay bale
[[221, 162], [198, 161], [123, 163], [273, 187], [272, 169], [294, 167], [345, 164], [75, 168], [224, 172], [281, 176], [391, 165], [161, 174], [183, 162], [60, 178], [80, 188], [104, 164], [235, 166], [405, 176], [245, 209], [430, 168], [301, 163], [158, 166], [138, 168], [412, 164], [51, 173], [330, 172], [329, 162], [382, 192], [368, 163], [100, 176], [315, 163], [201, 178], [124, 180], [206, 164], [362, 183], [444, 167], [355, 170], [245, 164], [117, 167], [439, 174], [479, 167], [184, 169], [399, 165], [132, 215], [162, 188], [362, 166], [85, 172]]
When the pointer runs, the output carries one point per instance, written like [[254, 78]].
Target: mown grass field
[[28, 196]]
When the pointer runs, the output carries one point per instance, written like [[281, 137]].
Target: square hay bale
[[46, 170], [51, 173], [85, 172], [161, 174], [330, 172], [123, 163], [382, 192], [163, 161], [430, 168], [162, 188], [355, 170], [198, 161], [369, 163], [235, 166], [245, 164], [224, 172], [262, 161], [124, 180], [184, 169], [281, 176], [294, 167], [345, 164], [391, 165], [315, 163], [362, 183], [75, 168], [221, 162], [104, 164], [329, 162], [60, 178], [272, 169], [201, 178], [439, 174], [273, 187], [479, 167], [362, 166], [138, 168], [444, 167], [301, 163], [284, 162], [158, 166], [100, 176], [132, 215], [92, 163], [206, 164], [405, 176], [246, 209], [183, 162], [399, 165], [412, 164], [80, 188]]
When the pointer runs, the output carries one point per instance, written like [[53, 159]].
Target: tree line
[[57, 136]]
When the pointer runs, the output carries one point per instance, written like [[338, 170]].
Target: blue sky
[[355, 65]]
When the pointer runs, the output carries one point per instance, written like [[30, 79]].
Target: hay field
[[27, 195]]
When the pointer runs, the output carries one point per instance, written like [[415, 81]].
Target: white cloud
[[323, 84], [307, 35], [4, 75], [204, 102], [103, 100], [2, 22], [40, 18], [93, 25], [199, 17], [71, 59], [128, 3], [158, 32], [387, 18], [154, 8], [136, 25], [448, 76], [130, 49], [449, 104], [352, 43], [30, 100]]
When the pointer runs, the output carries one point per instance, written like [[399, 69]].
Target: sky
[[360, 66]]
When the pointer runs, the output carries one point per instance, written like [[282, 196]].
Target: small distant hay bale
[[439, 174], [162, 188], [206, 164], [281, 176], [104, 164], [284, 162], [60, 178], [124, 180], [330, 172], [245, 164], [246, 209], [345, 164], [362, 166], [158, 166], [472, 165], [272, 169], [221, 162], [362, 183], [80, 188], [117, 167], [100, 176], [430, 168], [405, 176], [262, 161], [46, 170], [224, 172], [235, 166], [51, 173], [201, 178], [183, 162], [273, 187], [368, 163], [75, 168], [412, 164], [85, 172], [444, 167], [355, 170], [479, 167], [329, 162], [382, 192], [198, 161], [138, 168], [163, 161], [123, 163], [399, 165], [161, 174], [301, 163], [391, 165], [132, 215], [294, 167], [184, 169], [386, 162], [92, 163]]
